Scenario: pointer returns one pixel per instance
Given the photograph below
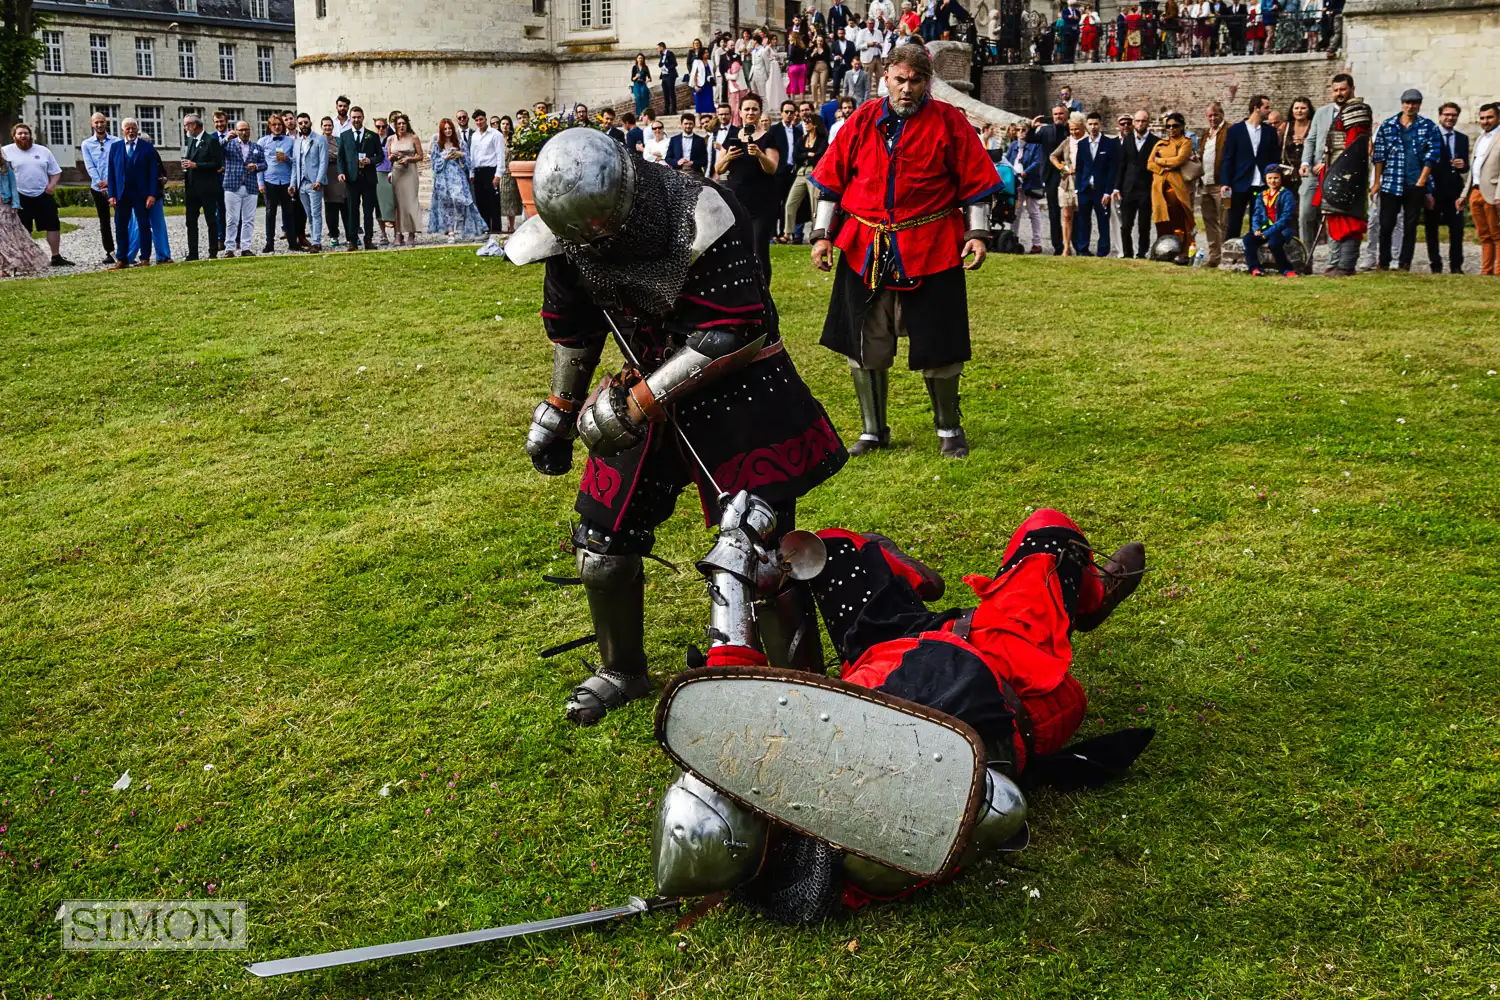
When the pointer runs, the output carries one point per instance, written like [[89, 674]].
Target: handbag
[[1192, 170]]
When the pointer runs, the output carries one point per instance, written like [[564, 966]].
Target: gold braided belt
[[882, 236]]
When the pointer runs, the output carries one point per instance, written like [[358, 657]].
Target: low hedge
[[77, 195]]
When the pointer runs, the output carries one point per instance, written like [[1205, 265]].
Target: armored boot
[[871, 388], [616, 589], [946, 418], [1120, 576], [789, 630]]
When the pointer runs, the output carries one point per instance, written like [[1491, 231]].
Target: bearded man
[[667, 261], [914, 182]]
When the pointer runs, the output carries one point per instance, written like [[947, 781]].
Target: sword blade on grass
[[349, 956]]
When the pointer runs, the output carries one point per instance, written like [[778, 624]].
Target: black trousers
[[360, 194], [1054, 215], [276, 197], [198, 201], [332, 213], [1135, 219], [1414, 203], [763, 227], [106, 227], [668, 95], [486, 198], [1234, 221], [222, 220], [1444, 214]]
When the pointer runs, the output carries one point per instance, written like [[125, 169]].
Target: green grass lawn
[[273, 518]]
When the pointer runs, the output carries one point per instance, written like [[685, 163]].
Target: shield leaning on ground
[[875, 775]]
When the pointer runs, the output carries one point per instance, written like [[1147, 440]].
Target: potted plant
[[526, 144]]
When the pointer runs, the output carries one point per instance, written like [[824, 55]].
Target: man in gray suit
[[309, 174], [1314, 152]]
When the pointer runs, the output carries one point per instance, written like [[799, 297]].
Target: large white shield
[[878, 776]]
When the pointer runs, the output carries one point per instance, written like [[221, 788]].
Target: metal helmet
[[1166, 248], [1001, 820], [584, 183], [704, 841], [1356, 113]]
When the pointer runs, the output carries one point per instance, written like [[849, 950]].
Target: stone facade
[[501, 55], [1179, 84], [83, 39], [1447, 49]]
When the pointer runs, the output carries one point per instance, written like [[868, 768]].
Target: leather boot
[[789, 630], [1120, 576], [932, 586], [946, 416], [871, 388]]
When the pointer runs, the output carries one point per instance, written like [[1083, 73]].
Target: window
[[183, 112], [538, 8], [264, 67], [148, 116], [187, 59], [234, 115], [187, 6], [320, 8], [111, 113], [99, 55], [592, 13], [263, 120], [52, 52], [226, 62], [145, 57], [257, 10], [57, 125]]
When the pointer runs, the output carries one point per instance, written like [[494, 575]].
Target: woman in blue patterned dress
[[453, 210]]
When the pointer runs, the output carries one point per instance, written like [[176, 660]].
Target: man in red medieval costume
[[913, 183]]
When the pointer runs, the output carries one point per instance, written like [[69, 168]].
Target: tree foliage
[[20, 48]]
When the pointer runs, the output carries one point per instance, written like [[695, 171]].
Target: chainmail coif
[[801, 881], [646, 264]]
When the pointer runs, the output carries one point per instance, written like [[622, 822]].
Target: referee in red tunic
[[904, 192]]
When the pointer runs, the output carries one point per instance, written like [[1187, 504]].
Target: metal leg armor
[[789, 630], [616, 589], [871, 388], [946, 416]]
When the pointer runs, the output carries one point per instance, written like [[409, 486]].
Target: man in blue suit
[[132, 187], [1250, 147], [688, 152], [1098, 157]]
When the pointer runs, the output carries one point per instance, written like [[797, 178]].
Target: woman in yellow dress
[[1171, 200]]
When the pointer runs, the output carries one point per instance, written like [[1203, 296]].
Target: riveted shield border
[[773, 740]]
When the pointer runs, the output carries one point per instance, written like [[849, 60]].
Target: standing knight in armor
[[667, 258], [1343, 179], [914, 184], [1002, 668]]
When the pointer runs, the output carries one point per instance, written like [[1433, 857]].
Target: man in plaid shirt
[[1405, 151]]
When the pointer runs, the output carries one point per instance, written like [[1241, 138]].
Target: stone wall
[[1447, 49], [1161, 85]]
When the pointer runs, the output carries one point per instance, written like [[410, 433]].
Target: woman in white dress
[[655, 150], [775, 91]]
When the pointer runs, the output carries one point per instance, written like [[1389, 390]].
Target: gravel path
[[84, 249], [82, 246]]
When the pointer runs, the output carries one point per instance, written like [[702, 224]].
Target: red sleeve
[[977, 177]]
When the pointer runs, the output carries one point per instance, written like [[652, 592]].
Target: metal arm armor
[[549, 440], [977, 219], [825, 211]]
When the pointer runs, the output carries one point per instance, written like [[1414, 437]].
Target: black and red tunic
[[758, 428]]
